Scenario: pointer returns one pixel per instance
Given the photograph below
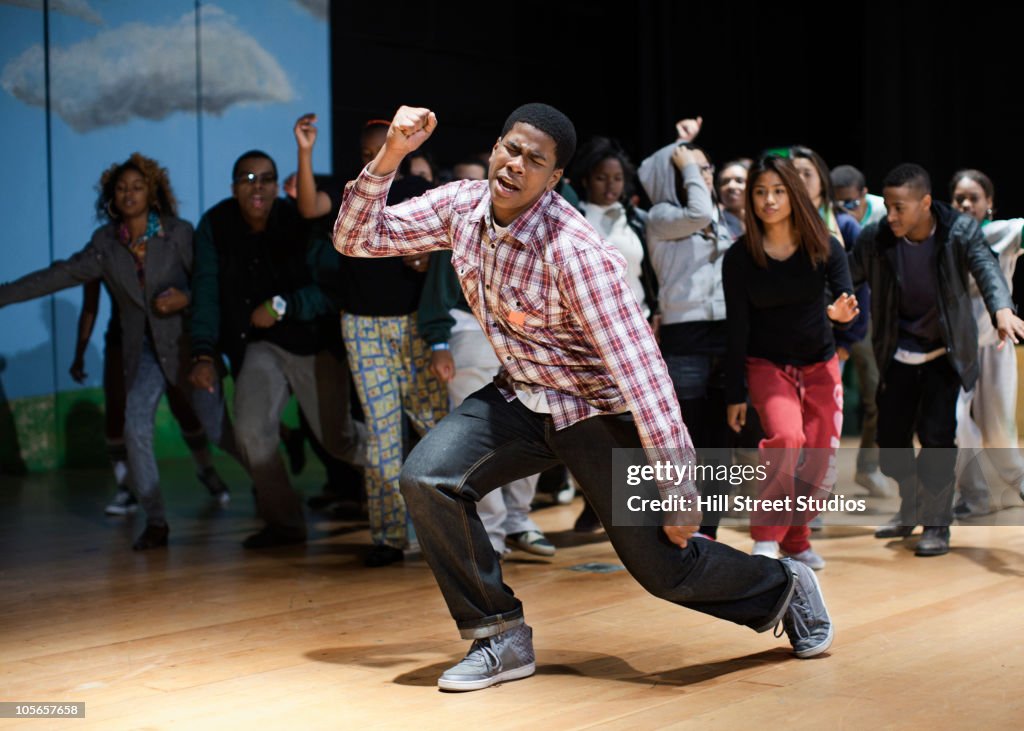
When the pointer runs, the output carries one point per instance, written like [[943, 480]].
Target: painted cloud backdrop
[[148, 71]]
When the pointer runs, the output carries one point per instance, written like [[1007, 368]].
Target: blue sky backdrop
[[122, 79]]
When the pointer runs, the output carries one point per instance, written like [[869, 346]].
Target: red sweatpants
[[799, 407]]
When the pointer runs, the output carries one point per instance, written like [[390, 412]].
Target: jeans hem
[[782, 605], [491, 626]]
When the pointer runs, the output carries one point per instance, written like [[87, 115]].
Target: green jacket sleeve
[[441, 292], [205, 320]]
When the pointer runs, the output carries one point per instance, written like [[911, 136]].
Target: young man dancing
[[581, 376]]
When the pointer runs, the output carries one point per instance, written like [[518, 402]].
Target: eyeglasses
[[850, 205], [253, 179]]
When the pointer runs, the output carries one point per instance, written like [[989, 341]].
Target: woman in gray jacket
[[144, 254]]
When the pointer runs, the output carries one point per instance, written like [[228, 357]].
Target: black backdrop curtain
[[870, 84], [866, 83]]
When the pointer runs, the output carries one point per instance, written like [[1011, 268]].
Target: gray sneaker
[[508, 656], [806, 621]]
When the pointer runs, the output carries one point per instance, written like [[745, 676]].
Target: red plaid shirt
[[550, 294]]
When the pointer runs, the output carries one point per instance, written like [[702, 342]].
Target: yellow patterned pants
[[389, 363]]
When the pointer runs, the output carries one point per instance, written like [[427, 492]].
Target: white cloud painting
[[139, 70]]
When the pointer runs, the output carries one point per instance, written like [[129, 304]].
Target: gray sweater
[[687, 260]]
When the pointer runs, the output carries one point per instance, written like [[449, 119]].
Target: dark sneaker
[[894, 529], [934, 542], [508, 656], [383, 555], [349, 510], [124, 503], [588, 522], [531, 541], [217, 487], [154, 536], [271, 536], [963, 511], [806, 620]]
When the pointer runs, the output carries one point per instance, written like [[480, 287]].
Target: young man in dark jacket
[[258, 296], [925, 341]]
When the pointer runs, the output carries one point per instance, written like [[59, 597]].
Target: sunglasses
[[253, 179], [849, 205]]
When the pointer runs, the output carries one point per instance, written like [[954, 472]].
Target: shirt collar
[[524, 228]]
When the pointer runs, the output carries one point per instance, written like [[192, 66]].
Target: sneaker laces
[[794, 620], [483, 651], [797, 615]]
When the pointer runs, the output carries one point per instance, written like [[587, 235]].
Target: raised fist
[[411, 127], [305, 131]]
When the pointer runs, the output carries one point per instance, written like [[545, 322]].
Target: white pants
[[989, 466], [506, 510]]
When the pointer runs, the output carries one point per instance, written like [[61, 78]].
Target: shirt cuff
[[377, 179], [369, 187]]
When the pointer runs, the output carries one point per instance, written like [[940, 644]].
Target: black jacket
[[960, 252], [235, 270]]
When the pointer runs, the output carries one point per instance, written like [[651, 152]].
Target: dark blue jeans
[[488, 442], [699, 381]]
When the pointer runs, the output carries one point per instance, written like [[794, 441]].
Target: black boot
[[154, 536], [934, 541]]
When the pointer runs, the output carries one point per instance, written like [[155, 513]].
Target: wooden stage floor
[[206, 636]]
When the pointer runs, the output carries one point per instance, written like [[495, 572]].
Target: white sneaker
[[566, 495], [809, 558], [569, 492], [531, 541], [766, 548], [877, 484]]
